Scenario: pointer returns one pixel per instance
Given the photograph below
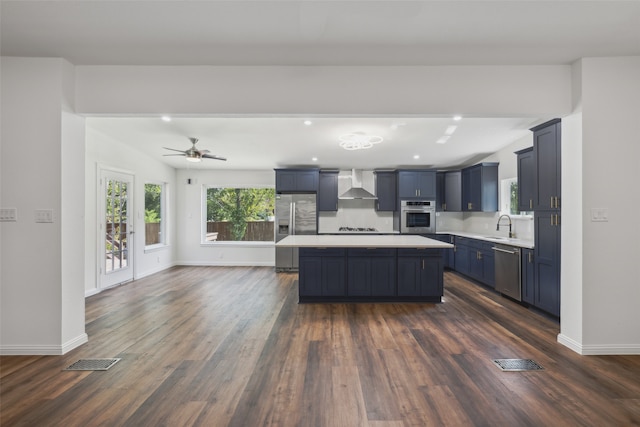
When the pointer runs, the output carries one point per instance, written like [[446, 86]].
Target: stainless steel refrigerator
[[295, 214]]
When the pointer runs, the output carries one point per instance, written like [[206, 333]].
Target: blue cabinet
[[528, 270], [297, 180], [417, 184], [526, 181], [420, 273], [322, 272], [371, 272], [448, 255], [386, 191], [328, 191], [546, 152], [475, 258], [546, 203], [480, 188], [452, 191]]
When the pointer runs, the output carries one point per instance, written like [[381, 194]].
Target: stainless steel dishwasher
[[508, 277]]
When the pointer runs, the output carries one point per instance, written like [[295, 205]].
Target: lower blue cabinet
[[371, 276], [420, 272], [528, 280], [322, 272]]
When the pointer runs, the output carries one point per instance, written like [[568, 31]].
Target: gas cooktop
[[358, 229]]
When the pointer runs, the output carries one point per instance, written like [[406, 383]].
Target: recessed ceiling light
[[308, 122], [457, 118], [443, 139], [450, 130], [166, 118], [416, 157], [314, 159]]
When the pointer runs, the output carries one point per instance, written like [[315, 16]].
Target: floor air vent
[[517, 365], [92, 365]]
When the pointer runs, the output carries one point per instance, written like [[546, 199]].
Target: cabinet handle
[[479, 255], [530, 256], [444, 206], [557, 202], [469, 206], [530, 204], [551, 202], [423, 264], [552, 220]]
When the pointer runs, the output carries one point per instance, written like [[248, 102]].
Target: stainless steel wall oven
[[417, 216]]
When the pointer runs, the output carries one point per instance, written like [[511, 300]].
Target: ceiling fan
[[193, 154]]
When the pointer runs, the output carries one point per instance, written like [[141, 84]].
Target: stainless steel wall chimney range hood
[[356, 191]]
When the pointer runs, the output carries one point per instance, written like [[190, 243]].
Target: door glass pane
[[116, 226]]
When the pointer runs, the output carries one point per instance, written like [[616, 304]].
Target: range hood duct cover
[[356, 191]]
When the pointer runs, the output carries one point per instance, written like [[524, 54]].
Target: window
[[239, 214], [509, 197], [154, 214]]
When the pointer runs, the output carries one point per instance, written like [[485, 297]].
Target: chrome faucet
[[498, 225]]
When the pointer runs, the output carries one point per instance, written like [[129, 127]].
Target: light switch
[[44, 215], [9, 214], [599, 215]]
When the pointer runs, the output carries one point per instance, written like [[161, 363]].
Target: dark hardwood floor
[[230, 346]]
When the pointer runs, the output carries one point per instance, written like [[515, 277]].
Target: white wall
[[103, 152], [526, 91], [189, 219], [42, 307], [610, 173]]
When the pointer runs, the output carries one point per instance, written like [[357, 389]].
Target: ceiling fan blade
[[213, 156], [182, 155], [204, 151], [173, 149]]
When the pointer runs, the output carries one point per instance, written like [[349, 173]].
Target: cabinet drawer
[[367, 252], [311, 252], [419, 252]]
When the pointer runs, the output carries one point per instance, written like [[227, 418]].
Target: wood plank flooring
[[230, 346]]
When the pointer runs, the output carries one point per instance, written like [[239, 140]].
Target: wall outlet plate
[[44, 215], [599, 215], [9, 214]]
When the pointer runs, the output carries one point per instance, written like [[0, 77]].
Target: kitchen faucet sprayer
[[498, 225]]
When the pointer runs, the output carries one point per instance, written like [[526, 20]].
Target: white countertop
[[493, 239], [361, 241]]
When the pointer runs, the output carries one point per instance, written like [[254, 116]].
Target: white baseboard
[[599, 349], [226, 264], [91, 292], [43, 350], [154, 271]]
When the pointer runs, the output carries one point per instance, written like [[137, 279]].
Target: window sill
[[155, 248], [238, 244]]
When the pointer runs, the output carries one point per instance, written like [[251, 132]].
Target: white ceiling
[[196, 32]]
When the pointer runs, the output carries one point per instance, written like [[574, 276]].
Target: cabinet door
[[546, 149], [488, 268], [527, 271], [547, 261], [453, 191], [359, 276], [310, 276], [407, 185], [476, 265], [462, 254], [328, 191], [409, 276], [285, 181], [431, 278], [333, 276], [440, 204], [386, 191], [526, 187], [383, 276], [426, 184]]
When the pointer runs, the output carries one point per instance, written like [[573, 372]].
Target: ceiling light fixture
[[416, 157], [457, 118], [193, 157], [166, 118], [308, 122], [359, 141], [314, 159], [443, 139], [450, 130]]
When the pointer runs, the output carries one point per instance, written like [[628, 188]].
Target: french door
[[115, 231]]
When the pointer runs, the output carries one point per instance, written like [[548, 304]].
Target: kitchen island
[[374, 268]]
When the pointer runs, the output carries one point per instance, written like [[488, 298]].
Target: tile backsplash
[[356, 213]]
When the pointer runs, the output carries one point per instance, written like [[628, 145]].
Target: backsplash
[[484, 223], [356, 213]]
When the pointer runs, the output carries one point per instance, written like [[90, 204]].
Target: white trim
[[156, 248], [227, 264], [154, 271], [92, 292], [599, 349], [239, 244], [44, 350]]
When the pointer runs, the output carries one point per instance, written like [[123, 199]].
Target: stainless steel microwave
[[417, 216]]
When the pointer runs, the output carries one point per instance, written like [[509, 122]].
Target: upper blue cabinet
[[480, 188], [416, 184], [297, 180]]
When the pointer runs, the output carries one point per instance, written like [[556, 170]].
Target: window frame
[[505, 195], [164, 220], [203, 221]]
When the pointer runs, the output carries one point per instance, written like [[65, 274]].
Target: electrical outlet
[[599, 215], [44, 215], [9, 214]]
